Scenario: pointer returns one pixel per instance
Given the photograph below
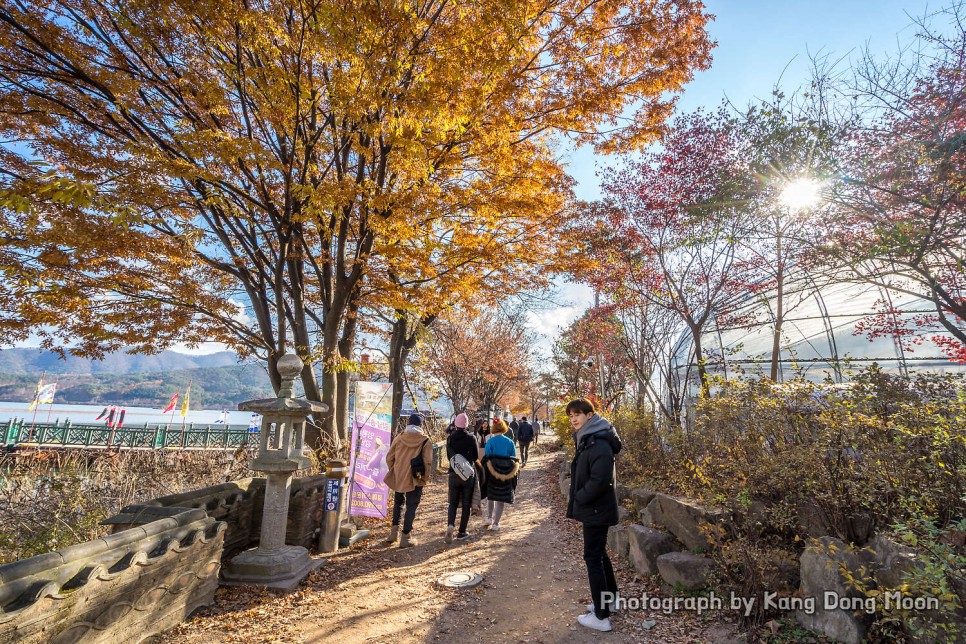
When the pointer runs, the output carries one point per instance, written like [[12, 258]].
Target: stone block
[[826, 566], [623, 514], [683, 519], [617, 540], [640, 497], [893, 563], [685, 570], [645, 545], [814, 522], [623, 492]]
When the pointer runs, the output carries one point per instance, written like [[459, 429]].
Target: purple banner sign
[[370, 443]]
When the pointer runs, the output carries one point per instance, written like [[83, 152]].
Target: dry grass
[[53, 499]]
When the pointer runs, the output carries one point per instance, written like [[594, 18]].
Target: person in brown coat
[[408, 491]]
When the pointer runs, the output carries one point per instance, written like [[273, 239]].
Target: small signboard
[[331, 494]]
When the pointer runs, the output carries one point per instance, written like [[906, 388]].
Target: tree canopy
[[228, 171]]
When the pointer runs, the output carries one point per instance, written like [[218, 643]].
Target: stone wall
[[127, 586], [239, 504], [160, 563], [305, 511], [669, 537]]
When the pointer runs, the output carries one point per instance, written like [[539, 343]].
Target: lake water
[[85, 414]]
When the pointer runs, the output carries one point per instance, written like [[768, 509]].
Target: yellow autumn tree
[[232, 171]]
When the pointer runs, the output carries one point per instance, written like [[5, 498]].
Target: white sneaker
[[449, 534], [495, 527], [487, 521], [589, 620]]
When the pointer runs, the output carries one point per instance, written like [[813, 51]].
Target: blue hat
[[415, 419]]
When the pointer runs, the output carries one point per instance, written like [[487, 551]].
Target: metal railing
[[18, 432]]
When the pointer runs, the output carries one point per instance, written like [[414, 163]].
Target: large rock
[[617, 540], [685, 570], [892, 561], [563, 479], [645, 545], [814, 521], [623, 492], [640, 497], [893, 564], [826, 567], [685, 520]]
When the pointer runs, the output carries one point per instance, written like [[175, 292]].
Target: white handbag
[[463, 468]]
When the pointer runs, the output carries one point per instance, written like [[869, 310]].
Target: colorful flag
[[184, 406], [120, 419], [223, 419], [254, 422], [102, 414], [45, 394], [110, 415], [171, 403]]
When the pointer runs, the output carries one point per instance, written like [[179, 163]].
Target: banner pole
[[30, 434], [354, 439], [51, 407], [184, 409]]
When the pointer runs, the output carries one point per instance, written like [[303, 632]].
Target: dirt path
[[534, 587]]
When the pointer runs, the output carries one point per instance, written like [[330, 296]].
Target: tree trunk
[[313, 433], [273, 375], [397, 363], [346, 345], [776, 347], [342, 410], [330, 398], [699, 359]]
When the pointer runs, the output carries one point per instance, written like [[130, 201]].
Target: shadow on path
[[535, 584]]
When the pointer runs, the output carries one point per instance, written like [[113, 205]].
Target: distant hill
[[36, 361], [217, 379]]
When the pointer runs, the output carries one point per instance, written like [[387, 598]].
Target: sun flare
[[801, 193]]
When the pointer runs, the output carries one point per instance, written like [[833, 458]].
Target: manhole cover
[[460, 580]]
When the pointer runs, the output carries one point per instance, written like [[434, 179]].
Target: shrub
[[799, 458], [50, 500]]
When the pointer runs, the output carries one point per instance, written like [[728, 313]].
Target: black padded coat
[[593, 491]]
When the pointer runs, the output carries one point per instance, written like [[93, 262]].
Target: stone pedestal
[[280, 569], [273, 564]]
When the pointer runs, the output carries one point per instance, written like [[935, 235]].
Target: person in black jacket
[[460, 491], [593, 502], [525, 436]]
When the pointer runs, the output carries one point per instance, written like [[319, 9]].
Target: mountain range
[[38, 360], [218, 380]]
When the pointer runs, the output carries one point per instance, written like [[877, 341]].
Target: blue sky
[[759, 43]]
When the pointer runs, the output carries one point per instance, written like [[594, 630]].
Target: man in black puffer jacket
[[593, 502]]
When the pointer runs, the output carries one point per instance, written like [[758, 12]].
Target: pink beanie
[[461, 421]]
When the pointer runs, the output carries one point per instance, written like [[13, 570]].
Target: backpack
[[418, 465], [463, 468]]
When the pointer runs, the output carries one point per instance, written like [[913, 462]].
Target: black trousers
[[460, 491], [524, 450], [599, 569], [411, 501]]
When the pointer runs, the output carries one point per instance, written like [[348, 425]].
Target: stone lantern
[[273, 564]]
